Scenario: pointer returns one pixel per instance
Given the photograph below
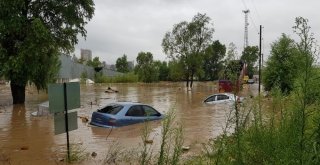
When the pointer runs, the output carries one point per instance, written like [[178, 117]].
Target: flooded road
[[25, 139]]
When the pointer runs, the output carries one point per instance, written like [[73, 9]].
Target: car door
[[135, 114]]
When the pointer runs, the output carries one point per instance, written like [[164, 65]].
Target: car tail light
[[111, 122]]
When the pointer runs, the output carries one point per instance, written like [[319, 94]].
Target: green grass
[[77, 154], [288, 132], [115, 152], [125, 78], [146, 150], [171, 140]]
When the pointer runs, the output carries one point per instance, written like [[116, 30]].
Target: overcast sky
[[131, 26]]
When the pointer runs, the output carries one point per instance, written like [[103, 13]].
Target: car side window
[[211, 98], [226, 97], [135, 110], [222, 97], [149, 111]]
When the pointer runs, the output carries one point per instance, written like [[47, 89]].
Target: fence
[[72, 70]]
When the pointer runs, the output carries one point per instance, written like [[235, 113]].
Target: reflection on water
[[24, 138]]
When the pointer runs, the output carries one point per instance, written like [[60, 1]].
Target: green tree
[[145, 67], [83, 77], [163, 69], [250, 56], [281, 68], [32, 35], [233, 70], [307, 95], [81, 61], [186, 43], [122, 64], [95, 63], [212, 60], [231, 53], [229, 61], [176, 70]]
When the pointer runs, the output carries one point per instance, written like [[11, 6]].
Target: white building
[[86, 54]]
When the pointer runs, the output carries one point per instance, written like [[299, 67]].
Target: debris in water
[[148, 141], [94, 154], [24, 148], [84, 119], [185, 148], [105, 98], [109, 90]]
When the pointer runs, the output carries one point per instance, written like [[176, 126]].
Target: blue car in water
[[124, 113]]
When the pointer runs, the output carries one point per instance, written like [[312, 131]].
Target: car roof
[[125, 103], [215, 94], [223, 94]]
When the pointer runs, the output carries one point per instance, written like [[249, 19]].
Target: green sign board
[[73, 95], [60, 125], [56, 96], [64, 97]]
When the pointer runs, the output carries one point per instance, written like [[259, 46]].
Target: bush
[[125, 78]]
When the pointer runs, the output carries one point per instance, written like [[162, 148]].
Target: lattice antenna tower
[[246, 24]]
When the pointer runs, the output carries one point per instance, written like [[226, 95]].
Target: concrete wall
[[71, 70]]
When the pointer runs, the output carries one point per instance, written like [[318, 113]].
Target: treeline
[[192, 54]]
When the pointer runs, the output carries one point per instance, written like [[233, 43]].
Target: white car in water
[[222, 98]]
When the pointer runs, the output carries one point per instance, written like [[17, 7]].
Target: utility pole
[[246, 24], [260, 58]]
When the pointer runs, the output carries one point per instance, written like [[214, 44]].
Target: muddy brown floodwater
[[25, 139]]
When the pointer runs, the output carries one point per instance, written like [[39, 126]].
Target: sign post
[[66, 117], [64, 97]]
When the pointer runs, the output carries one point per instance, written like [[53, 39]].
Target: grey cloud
[[130, 26]]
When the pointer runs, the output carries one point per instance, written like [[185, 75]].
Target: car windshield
[[111, 109], [211, 98]]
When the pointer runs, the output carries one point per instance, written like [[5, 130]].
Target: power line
[[257, 16], [255, 8], [244, 4], [254, 25]]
